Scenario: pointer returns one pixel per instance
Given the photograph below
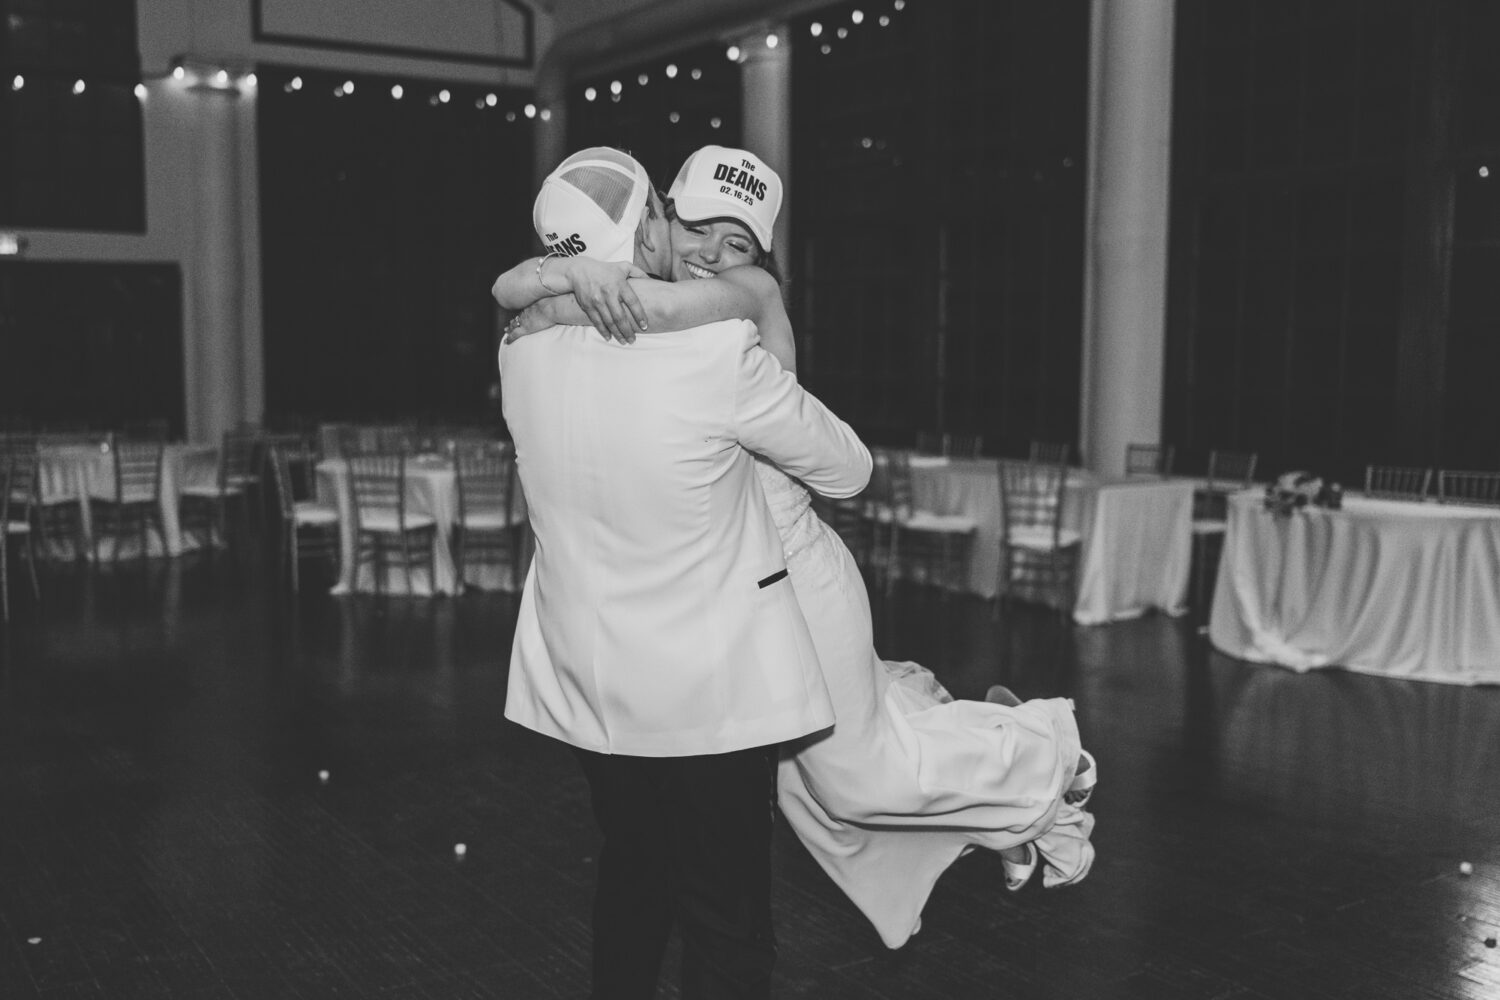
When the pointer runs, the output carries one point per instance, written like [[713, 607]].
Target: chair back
[[1231, 470], [1397, 482], [1469, 487], [237, 458], [1031, 495], [897, 482], [1149, 459], [287, 453], [1050, 453], [18, 491], [485, 478], [929, 443], [137, 470], [963, 445], [377, 482]]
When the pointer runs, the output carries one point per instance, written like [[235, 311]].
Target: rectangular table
[[1390, 587], [1136, 549]]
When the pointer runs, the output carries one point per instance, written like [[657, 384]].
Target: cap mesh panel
[[608, 188]]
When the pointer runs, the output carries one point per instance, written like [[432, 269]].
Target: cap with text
[[591, 205], [721, 183]]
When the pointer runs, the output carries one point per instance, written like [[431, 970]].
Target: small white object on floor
[[459, 850], [1465, 868], [33, 940], [323, 777]]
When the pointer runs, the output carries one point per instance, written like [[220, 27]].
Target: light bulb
[[530, 110], [396, 91], [590, 94], [615, 86], [697, 74], [772, 41], [348, 86], [178, 72], [140, 91], [490, 100], [296, 82], [671, 71], [79, 86], [444, 96], [816, 29], [221, 78], [857, 17], [715, 122], [18, 82], [674, 118], [733, 52], [251, 80], [642, 79]]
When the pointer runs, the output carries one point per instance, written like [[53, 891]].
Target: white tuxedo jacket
[[657, 619]]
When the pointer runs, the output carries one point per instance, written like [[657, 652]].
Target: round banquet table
[[71, 473], [1390, 587], [431, 490]]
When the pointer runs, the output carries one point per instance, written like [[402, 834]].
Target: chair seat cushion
[[129, 496], [1039, 539], [210, 492], [924, 520], [312, 512], [17, 527], [387, 520], [490, 520], [1209, 526]]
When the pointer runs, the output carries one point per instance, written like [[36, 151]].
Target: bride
[[908, 779]]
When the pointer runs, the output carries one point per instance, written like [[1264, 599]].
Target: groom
[[659, 635]]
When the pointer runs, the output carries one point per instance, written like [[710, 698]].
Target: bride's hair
[[764, 259]]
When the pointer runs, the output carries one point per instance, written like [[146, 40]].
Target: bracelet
[[543, 281]]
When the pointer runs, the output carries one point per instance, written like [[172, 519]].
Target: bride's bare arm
[[602, 289], [738, 293]]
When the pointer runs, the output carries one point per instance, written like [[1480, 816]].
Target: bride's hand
[[604, 294], [532, 319]]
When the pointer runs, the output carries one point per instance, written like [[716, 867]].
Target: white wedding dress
[[909, 779]]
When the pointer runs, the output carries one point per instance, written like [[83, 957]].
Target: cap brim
[[695, 209]]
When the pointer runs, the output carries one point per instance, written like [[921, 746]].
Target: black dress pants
[[686, 839]]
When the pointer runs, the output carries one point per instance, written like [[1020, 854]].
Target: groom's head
[[599, 203]]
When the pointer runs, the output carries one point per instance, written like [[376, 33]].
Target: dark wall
[[383, 224], [1332, 268], [70, 158], [90, 344], [938, 234]]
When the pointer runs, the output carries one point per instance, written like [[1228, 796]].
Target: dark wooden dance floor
[[164, 831]]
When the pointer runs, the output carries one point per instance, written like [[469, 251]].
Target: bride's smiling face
[[703, 249]]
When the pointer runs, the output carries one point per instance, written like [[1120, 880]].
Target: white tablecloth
[[70, 473], [1387, 587], [432, 490], [1137, 538]]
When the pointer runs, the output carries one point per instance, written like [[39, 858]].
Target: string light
[[221, 78], [671, 71], [643, 79], [674, 118], [178, 73], [857, 17], [545, 115], [816, 29], [490, 100], [444, 96], [899, 5], [843, 33], [296, 83], [696, 74], [510, 116], [885, 20], [530, 110], [18, 82], [715, 122], [826, 48], [1484, 171], [397, 91], [615, 86], [251, 80], [733, 52], [772, 41], [590, 94], [78, 86], [348, 86]]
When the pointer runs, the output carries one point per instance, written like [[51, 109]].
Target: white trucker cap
[[591, 205], [720, 183]]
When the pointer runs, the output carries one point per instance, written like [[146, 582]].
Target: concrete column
[[766, 101], [215, 341], [1125, 277]]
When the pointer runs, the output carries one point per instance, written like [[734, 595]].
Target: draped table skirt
[[72, 473], [1136, 534], [1397, 588]]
